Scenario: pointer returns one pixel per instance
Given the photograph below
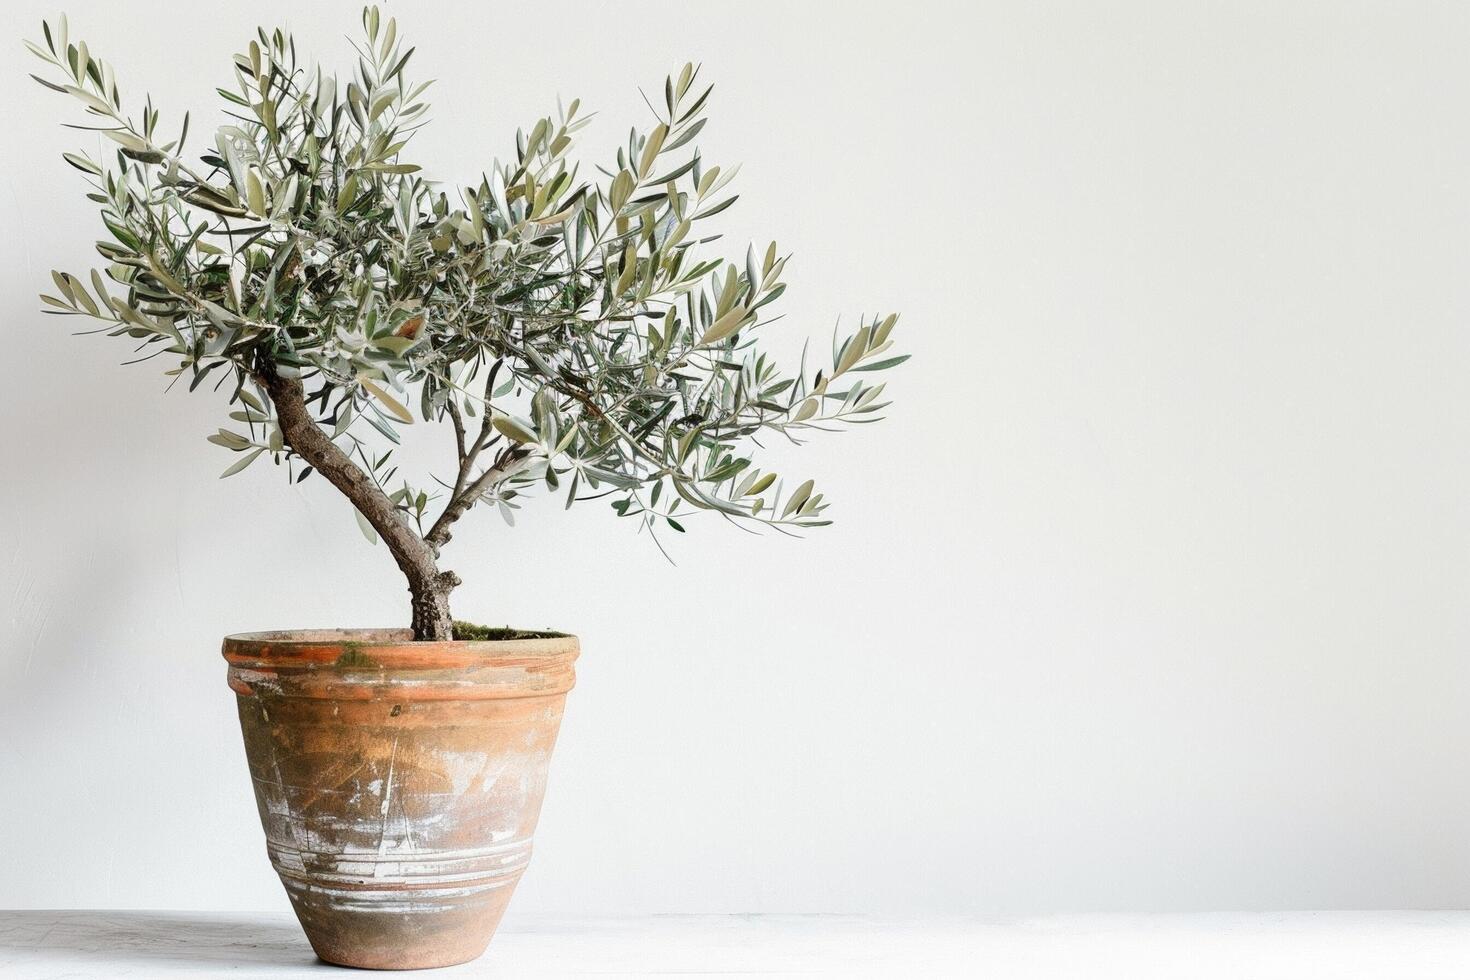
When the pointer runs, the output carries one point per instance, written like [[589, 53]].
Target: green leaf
[[98, 105], [652, 147], [884, 364], [364, 525], [716, 209], [395, 344], [856, 347], [212, 200], [348, 193], [393, 405], [513, 428], [724, 327], [255, 193], [230, 440], [382, 102], [760, 485], [241, 464], [83, 164], [797, 499]]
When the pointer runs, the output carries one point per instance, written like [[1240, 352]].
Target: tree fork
[[427, 585]]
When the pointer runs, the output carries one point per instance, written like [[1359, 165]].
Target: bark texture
[[417, 558]]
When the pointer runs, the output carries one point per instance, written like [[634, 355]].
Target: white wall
[[1150, 594]]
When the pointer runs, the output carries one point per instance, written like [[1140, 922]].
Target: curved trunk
[[428, 586]]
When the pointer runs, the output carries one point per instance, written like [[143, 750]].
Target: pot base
[[393, 939], [389, 928]]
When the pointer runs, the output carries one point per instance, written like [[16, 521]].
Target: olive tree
[[571, 328]]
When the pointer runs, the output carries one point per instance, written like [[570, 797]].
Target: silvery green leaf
[[797, 498], [884, 364], [393, 405], [255, 192], [365, 526], [241, 464], [514, 428]]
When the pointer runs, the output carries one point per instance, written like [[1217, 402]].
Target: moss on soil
[[474, 631]]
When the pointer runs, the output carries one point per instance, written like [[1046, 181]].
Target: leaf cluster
[[573, 328]]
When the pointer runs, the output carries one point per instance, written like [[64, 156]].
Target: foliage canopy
[[571, 328]]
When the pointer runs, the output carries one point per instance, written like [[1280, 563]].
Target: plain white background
[[1150, 594]]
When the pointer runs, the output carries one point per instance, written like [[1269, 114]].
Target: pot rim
[[389, 647]]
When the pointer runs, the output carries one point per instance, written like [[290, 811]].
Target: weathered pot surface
[[398, 782]]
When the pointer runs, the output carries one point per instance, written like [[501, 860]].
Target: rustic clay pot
[[398, 782]]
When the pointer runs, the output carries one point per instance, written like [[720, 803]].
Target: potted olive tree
[[569, 329]]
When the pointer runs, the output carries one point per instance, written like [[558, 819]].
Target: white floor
[[1237, 946]]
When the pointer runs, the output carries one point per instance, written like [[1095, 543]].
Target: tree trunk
[[431, 618], [428, 586]]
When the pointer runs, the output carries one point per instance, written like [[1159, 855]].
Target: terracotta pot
[[398, 782]]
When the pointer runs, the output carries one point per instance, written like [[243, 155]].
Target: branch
[[301, 432], [487, 430], [468, 454], [510, 460], [454, 416], [459, 436]]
